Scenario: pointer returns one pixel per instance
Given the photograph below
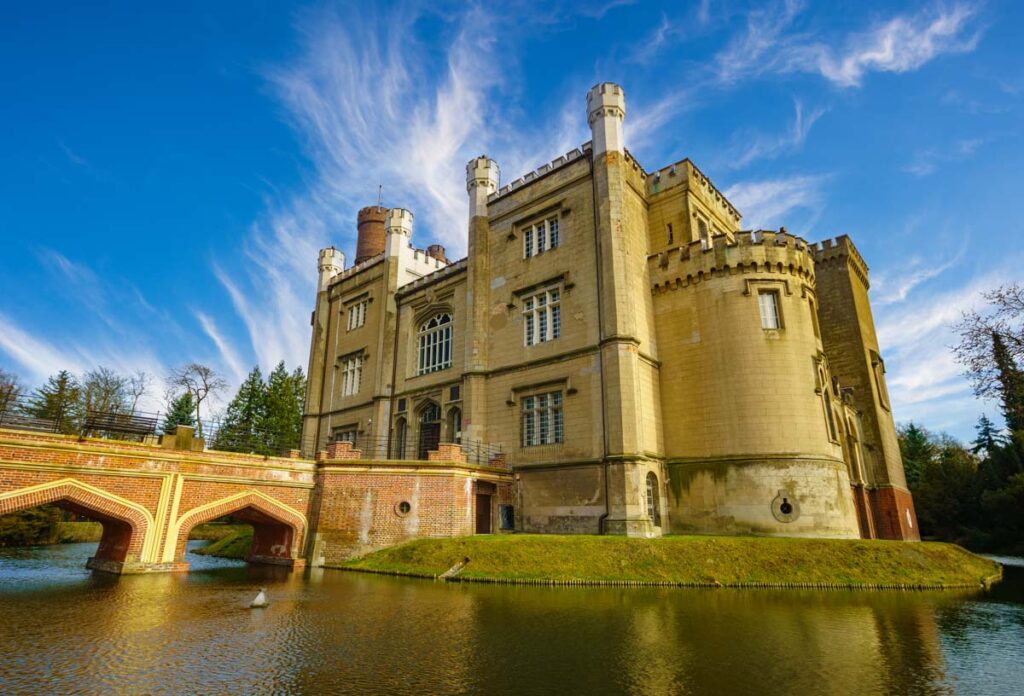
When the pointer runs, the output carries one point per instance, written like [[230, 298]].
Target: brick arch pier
[[148, 498]]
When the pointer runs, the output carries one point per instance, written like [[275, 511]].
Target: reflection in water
[[66, 630]]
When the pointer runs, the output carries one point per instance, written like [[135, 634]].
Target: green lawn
[[229, 541], [687, 560]]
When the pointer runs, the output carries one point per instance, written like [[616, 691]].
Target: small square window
[[455, 393], [401, 405]]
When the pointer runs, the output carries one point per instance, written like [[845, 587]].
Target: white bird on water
[[261, 600]]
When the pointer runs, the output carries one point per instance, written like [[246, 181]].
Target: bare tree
[[104, 391], [10, 389], [138, 385], [201, 381], [1004, 317]]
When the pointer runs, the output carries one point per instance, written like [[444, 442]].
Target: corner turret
[[332, 262], [482, 176], [606, 108]]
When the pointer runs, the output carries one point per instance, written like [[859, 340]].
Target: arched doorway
[[430, 429], [401, 436], [653, 499], [454, 425]]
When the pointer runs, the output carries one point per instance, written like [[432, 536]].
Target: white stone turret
[[398, 229], [482, 175], [332, 262], [606, 107]]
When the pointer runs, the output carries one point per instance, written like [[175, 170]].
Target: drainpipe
[[600, 342]]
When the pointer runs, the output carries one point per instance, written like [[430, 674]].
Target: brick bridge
[[148, 497]]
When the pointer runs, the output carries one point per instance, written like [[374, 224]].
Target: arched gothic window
[[435, 344]]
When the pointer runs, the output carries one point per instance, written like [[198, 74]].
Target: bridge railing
[[372, 447], [71, 417]]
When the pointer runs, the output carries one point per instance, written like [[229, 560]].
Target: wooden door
[[430, 436], [483, 514]]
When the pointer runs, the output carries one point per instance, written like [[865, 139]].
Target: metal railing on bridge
[[476, 452], [71, 418]]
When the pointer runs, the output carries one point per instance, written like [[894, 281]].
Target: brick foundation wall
[[361, 507], [894, 515]]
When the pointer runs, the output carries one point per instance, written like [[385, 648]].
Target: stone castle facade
[[643, 365]]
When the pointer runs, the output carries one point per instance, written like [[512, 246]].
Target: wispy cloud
[[372, 103], [916, 335], [228, 353], [926, 162], [902, 43], [767, 202], [759, 146]]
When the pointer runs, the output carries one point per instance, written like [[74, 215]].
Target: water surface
[[66, 630]]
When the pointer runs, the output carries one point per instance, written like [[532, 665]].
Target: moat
[[66, 630]]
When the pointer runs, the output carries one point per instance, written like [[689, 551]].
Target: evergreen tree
[[284, 409], [1011, 384], [244, 423], [59, 400], [988, 439], [181, 411], [917, 450]]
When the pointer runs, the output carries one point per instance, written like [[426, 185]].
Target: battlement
[[839, 250], [357, 268], [748, 251], [686, 171], [441, 274], [543, 170]]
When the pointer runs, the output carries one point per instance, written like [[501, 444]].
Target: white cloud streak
[[768, 202], [903, 43], [766, 147], [928, 161], [228, 353]]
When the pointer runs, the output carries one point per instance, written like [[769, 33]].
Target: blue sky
[[167, 177]]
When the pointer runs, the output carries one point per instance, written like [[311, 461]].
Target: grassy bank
[[232, 542], [686, 560]]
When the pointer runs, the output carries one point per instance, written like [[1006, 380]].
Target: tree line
[[264, 417], [974, 494]]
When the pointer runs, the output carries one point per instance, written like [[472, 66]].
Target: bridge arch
[[129, 535], [278, 530]]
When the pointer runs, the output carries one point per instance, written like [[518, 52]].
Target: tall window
[[878, 368], [671, 237], [768, 301], [357, 315], [542, 419], [814, 318], [539, 237], [652, 499], [351, 374], [542, 316], [435, 344], [702, 233]]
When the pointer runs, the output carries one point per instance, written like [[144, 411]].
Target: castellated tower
[[753, 446]]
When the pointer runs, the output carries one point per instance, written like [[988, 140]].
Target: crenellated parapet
[[686, 172], [839, 251], [541, 171], [760, 251]]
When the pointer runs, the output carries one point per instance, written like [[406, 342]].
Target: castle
[[632, 360]]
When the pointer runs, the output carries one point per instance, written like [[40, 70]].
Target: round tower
[[436, 251], [482, 176], [332, 262], [606, 108], [754, 446], [371, 233]]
